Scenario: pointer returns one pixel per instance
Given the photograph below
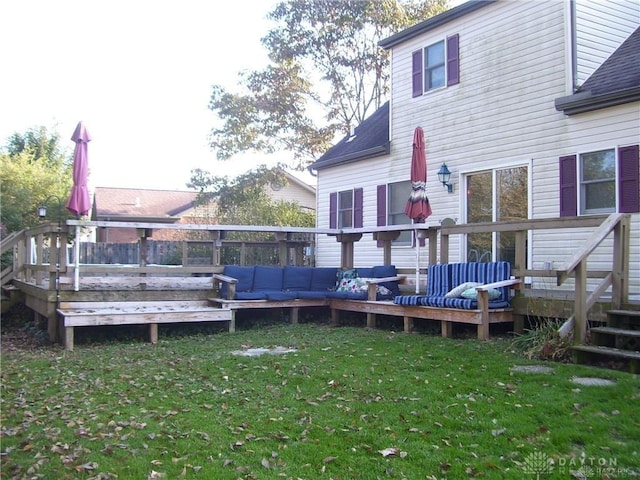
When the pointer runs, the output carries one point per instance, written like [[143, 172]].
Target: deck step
[[627, 319], [78, 314], [583, 353], [91, 314], [616, 331]]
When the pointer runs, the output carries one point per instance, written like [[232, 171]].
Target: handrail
[[589, 246], [577, 266], [11, 241]]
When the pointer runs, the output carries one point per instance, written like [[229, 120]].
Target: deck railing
[[31, 267]]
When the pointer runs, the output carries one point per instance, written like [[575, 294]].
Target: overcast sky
[[138, 73]]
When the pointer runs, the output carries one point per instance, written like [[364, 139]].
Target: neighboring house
[[170, 206], [294, 190], [138, 205], [534, 107]]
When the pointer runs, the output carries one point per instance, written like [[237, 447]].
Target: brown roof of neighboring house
[[140, 203]]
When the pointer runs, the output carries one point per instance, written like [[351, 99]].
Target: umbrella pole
[[415, 232], [76, 259]]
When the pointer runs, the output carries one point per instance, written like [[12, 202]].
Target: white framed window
[[434, 66], [345, 209], [597, 172]]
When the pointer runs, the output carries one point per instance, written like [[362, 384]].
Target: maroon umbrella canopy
[[417, 207], [79, 202]]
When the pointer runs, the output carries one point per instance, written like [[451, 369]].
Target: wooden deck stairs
[[617, 342], [152, 313]]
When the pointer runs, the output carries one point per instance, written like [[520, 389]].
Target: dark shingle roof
[[370, 139], [615, 82]]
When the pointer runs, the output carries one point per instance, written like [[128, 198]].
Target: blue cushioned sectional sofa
[[486, 301], [290, 283]]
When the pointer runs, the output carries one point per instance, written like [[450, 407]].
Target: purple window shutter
[[333, 210], [357, 208], [568, 187], [381, 201], [453, 60], [417, 73], [628, 181]]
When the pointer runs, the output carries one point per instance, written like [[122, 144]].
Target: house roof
[[615, 82], [434, 22], [370, 139], [134, 203]]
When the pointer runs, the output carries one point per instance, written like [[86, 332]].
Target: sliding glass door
[[496, 196]]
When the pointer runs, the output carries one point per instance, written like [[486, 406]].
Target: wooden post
[[521, 252], [346, 255], [217, 243], [444, 247], [408, 324], [432, 238], [281, 237], [153, 333], [580, 307], [144, 233], [620, 283], [39, 253], [386, 238]]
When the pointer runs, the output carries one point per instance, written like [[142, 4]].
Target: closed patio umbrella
[[417, 207], [79, 202]]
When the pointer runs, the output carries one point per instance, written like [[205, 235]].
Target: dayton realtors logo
[[539, 464]]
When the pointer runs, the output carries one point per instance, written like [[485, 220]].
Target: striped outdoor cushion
[[438, 280]]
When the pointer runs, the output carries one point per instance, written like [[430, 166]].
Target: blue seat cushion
[[280, 296], [296, 279], [313, 294], [323, 279], [267, 278], [407, 299], [244, 275], [251, 295]]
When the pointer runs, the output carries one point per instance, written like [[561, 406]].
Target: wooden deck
[[45, 287]]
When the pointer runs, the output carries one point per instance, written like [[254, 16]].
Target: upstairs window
[[436, 66]]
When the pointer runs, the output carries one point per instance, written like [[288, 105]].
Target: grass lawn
[[349, 403]]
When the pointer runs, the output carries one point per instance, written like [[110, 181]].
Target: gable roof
[[615, 82], [135, 203], [434, 22], [370, 139]]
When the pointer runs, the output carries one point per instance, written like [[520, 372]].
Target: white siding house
[[507, 93]]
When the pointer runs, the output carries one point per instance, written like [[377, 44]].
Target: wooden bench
[[84, 314], [482, 317], [477, 307]]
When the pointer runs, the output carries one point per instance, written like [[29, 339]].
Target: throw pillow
[[457, 291], [472, 294]]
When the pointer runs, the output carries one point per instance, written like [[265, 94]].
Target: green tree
[[325, 63], [244, 200], [34, 170]]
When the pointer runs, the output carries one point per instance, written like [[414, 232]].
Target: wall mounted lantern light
[[444, 175]]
